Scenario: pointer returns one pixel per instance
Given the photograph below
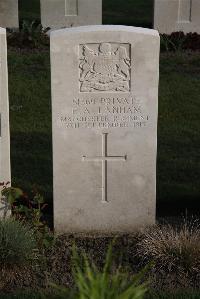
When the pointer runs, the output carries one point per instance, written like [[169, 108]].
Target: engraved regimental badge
[[105, 67]]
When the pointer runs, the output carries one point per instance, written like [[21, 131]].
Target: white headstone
[[177, 15], [70, 13], [9, 14], [104, 105], [4, 116]]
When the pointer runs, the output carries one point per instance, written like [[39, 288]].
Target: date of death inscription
[[105, 113]]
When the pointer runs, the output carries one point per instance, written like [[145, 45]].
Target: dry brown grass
[[172, 250]]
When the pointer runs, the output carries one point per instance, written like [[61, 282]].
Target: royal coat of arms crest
[[105, 69]]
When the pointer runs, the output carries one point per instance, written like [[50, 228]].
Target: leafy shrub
[[93, 283], [30, 35], [17, 243], [173, 42], [178, 41], [30, 210], [8, 196], [172, 249]]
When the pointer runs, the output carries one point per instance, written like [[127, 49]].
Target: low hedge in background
[[179, 41], [32, 35]]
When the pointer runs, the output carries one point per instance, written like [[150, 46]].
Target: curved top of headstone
[[98, 28]]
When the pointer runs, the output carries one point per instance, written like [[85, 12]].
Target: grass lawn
[[124, 12], [178, 169], [30, 120]]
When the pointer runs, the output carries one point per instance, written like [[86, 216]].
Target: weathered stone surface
[[104, 105], [177, 15], [70, 13], [4, 116], [9, 14]]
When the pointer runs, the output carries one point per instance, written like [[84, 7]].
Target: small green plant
[[32, 211], [17, 243], [10, 194], [29, 210], [91, 283]]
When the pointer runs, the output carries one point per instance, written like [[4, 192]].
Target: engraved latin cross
[[104, 159]]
